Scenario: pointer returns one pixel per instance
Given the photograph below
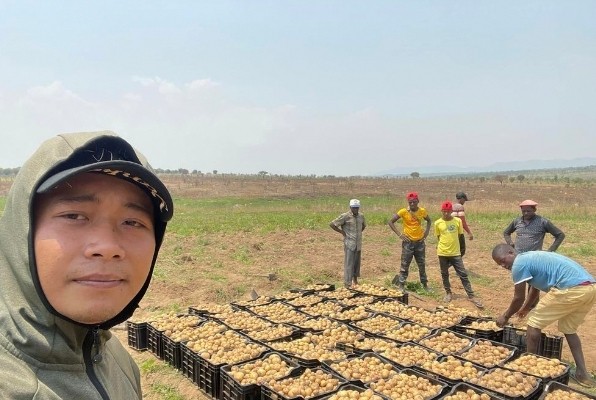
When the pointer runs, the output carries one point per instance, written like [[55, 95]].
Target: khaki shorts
[[568, 306]]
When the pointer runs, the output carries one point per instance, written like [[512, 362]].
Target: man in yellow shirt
[[449, 231], [413, 237]]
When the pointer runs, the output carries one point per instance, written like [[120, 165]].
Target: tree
[[214, 172], [263, 173], [500, 178], [415, 175], [521, 178]]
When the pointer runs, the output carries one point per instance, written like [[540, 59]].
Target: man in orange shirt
[[413, 237]]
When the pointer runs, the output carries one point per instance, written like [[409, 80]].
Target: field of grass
[[228, 234]]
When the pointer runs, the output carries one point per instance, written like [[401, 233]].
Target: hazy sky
[[303, 87]]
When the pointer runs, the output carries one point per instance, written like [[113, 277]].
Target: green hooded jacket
[[44, 355]]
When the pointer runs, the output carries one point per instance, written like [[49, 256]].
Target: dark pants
[[460, 270], [351, 265], [411, 250]]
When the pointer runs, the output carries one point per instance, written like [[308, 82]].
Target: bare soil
[[193, 280]]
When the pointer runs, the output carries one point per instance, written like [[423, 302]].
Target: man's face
[[94, 242], [446, 214], [413, 203], [528, 212], [505, 261], [355, 210]]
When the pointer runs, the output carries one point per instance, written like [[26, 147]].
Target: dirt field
[[320, 252]]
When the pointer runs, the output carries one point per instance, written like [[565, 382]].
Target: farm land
[[230, 232]]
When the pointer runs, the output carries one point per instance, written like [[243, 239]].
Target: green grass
[[167, 392]]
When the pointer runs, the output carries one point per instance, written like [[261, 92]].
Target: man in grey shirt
[[530, 230], [350, 225]]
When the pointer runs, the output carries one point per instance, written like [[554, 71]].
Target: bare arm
[[519, 295], [428, 224], [336, 229], [533, 294], [391, 224], [466, 227]]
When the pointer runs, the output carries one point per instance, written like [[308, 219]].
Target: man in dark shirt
[[530, 230]]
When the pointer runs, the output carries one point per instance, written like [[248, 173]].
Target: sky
[[303, 87]]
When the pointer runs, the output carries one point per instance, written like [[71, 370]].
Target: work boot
[[447, 298]]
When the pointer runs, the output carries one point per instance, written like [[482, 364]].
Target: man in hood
[[83, 224]]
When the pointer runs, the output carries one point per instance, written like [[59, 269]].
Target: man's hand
[[471, 237], [502, 321], [523, 312]]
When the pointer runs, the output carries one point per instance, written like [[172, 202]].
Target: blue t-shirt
[[544, 270]]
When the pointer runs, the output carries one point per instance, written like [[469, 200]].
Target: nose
[[104, 242]]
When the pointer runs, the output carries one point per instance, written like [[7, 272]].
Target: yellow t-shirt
[[412, 222], [448, 233]]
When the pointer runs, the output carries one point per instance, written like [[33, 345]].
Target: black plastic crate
[[155, 341], [188, 359], [207, 377], [334, 367], [549, 346], [171, 352], [466, 341], [494, 335], [137, 335], [444, 387], [231, 389], [351, 387], [552, 386], [451, 381], [563, 377], [474, 349], [267, 393], [534, 394], [465, 387]]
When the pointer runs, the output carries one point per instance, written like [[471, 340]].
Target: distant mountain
[[438, 170]]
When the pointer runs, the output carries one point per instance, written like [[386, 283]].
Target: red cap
[[446, 206], [412, 196]]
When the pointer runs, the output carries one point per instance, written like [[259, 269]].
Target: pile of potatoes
[[258, 301], [244, 320], [263, 370], [170, 323], [228, 347], [403, 386], [509, 383], [317, 323], [452, 368], [272, 332], [352, 314], [408, 332], [306, 349], [213, 308], [324, 287], [486, 353], [392, 307], [350, 394], [474, 326], [324, 309], [338, 294], [377, 324], [366, 369], [446, 342], [468, 394], [287, 295], [374, 290], [336, 334], [409, 355], [437, 319], [305, 301], [559, 394], [377, 345], [357, 301], [537, 366], [310, 383]]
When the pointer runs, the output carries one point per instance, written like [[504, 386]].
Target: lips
[[100, 281]]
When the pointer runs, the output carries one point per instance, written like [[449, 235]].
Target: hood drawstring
[[96, 356]]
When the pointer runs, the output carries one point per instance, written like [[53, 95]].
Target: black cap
[[115, 157], [461, 195]]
